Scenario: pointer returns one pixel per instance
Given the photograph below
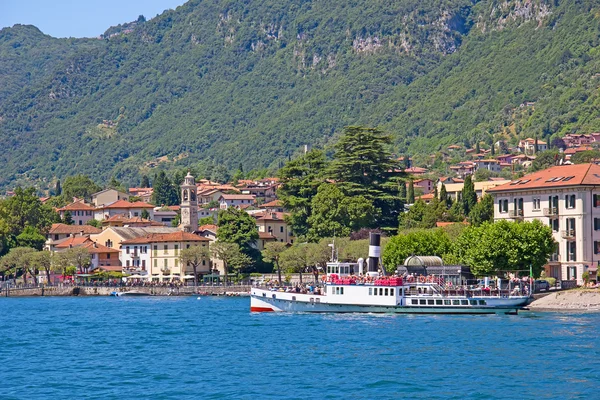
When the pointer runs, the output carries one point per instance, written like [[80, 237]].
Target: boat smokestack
[[361, 266], [374, 253]]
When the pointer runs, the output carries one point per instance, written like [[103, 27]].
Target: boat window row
[[341, 269], [439, 302], [381, 291], [337, 290]]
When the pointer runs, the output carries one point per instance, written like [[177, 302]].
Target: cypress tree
[[58, 190], [411, 193], [444, 194], [145, 183], [469, 196], [402, 191]]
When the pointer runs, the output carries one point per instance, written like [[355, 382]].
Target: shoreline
[[574, 300]]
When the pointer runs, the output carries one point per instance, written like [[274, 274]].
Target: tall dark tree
[[363, 166], [300, 180], [483, 211], [145, 183], [410, 197], [165, 193], [58, 189], [469, 196], [68, 218], [402, 192]]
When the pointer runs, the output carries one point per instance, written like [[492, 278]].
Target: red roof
[[98, 248], [270, 216], [266, 236], [274, 203], [73, 242], [560, 176], [126, 204], [167, 237], [64, 229], [77, 206], [208, 227]]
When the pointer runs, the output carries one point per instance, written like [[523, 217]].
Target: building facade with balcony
[[158, 255], [566, 198]]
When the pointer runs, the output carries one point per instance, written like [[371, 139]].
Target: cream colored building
[[108, 196], [162, 254], [567, 198], [274, 223], [453, 189]]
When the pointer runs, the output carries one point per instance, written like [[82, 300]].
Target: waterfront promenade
[[106, 290]]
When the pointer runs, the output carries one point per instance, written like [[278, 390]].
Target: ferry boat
[[343, 292]]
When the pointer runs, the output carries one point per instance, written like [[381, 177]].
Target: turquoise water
[[213, 348]]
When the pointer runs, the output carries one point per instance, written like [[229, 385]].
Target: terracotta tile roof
[[73, 242], [443, 224], [77, 206], [415, 170], [271, 216], [126, 204], [167, 237], [274, 203], [64, 229], [559, 176], [208, 227], [98, 248], [124, 219], [428, 196]]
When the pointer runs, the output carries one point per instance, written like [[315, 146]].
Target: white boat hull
[[268, 301]]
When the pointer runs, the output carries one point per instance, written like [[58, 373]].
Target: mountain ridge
[[227, 82]]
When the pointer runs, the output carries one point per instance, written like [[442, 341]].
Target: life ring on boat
[[324, 278], [422, 279]]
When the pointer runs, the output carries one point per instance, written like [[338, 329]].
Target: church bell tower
[[189, 205]]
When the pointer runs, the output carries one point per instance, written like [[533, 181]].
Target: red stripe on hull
[[261, 309]]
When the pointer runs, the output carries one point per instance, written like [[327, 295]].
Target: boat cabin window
[[273, 296], [341, 290], [381, 291], [337, 290], [482, 302], [456, 302], [391, 292], [422, 302], [464, 302], [473, 302], [370, 291], [446, 302], [374, 292], [415, 301], [293, 298], [386, 291], [438, 302], [430, 302], [318, 300]]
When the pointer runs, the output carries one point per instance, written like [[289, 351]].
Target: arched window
[[185, 195], [193, 195]]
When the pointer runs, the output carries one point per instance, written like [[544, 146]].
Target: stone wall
[[107, 290]]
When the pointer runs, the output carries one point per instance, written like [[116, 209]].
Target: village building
[[80, 212], [489, 164], [157, 256], [527, 146], [145, 194], [455, 189], [416, 171], [108, 196], [123, 207], [274, 224], [272, 206], [425, 186], [124, 220], [236, 200], [566, 198], [577, 140], [209, 195], [60, 232]]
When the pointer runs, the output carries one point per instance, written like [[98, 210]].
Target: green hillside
[[252, 82]]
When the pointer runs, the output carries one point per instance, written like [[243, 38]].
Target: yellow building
[[158, 254], [273, 223]]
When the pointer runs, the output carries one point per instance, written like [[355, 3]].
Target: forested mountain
[[251, 82]]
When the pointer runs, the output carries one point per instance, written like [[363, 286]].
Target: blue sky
[[79, 18]]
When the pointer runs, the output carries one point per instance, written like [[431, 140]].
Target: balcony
[[135, 254], [554, 257], [569, 234], [551, 212], [165, 271], [516, 214]]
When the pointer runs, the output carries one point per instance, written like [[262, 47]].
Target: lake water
[[213, 348]]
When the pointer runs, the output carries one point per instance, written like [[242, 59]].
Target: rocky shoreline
[[570, 300]]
